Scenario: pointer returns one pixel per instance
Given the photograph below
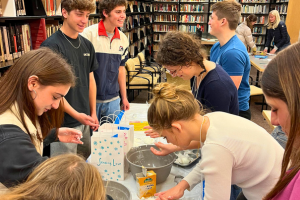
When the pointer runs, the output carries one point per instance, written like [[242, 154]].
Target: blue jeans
[[283, 47], [105, 109], [279, 136], [235, 191]]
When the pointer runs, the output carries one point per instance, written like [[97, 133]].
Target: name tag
[[86, 54]]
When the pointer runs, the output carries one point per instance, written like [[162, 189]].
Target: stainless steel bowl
[[142, 156], [116, 190]]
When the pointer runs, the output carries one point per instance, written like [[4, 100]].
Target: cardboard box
[[146, 186]]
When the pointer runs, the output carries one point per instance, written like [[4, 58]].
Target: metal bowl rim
[[171, 154]]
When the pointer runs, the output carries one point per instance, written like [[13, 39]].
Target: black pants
[[246, 114], [241, 197]]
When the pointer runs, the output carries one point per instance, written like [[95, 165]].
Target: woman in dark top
[[180, 53], [276, 33]]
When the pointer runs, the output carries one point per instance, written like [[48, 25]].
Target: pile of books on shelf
[[164, 28], [192, 18], [165, 18], [258, 40], [255, 9], [17, 39], [259, 30], [282, 9], [165, 8], [192, 29], [255, 1], [192, 8]]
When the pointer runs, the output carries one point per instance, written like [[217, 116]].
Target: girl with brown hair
[[31, 112], [281, 87], [65, 177], [233, 148], [244, 31]]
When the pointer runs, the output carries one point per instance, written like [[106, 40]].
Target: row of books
[[165, 8], [137, 6], [158, 37], [164, 28], [167, 0], [165, 18], [190, 28], [282, 1], [259, 30], [255, 9], [282, 9], [260, 19], [255, 1], [12, 8], [192, 18], [192, 8], [259, 39], [15, 40], [204, 1], [136, 20]]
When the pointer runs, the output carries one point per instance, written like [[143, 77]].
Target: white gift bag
[[108, 155]]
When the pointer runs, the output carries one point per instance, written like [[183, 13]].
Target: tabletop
[[267, 116], [138, 112], [259, 63]]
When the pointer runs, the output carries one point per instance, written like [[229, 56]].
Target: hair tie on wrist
[[160, 90]]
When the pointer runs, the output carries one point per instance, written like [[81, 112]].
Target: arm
[[18, 156], [234, 63], [92, 99], [216, 166], [122, 84], [165, 149], [249, 38], [81, 117]]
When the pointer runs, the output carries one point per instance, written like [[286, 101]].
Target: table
[[267, 116], [260, 64], [138, 112]]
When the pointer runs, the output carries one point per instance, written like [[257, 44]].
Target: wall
[[293, 20]]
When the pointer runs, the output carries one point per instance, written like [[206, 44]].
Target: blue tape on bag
[[120, 115], [123, 128], [115, 135]]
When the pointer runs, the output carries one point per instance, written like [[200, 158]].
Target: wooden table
[[260, 64], [267, 116]]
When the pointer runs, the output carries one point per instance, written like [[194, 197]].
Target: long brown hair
[[251, 18], [171, 103], [51, 69], [281, 80], [66, 177]]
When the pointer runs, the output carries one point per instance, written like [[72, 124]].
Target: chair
[[254, 91], [138, 79], [153, 67]]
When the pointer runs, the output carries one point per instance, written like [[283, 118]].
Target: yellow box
[[146, 186]]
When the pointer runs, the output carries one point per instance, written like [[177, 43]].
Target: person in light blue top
[[230, 52]]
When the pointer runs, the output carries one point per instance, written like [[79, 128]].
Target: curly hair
[[70, 5], [108, 5], [180, 49]]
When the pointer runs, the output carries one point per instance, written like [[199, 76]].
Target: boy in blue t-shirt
[[230, 52]]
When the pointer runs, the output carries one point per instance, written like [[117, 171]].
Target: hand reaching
[[69, 135], [165, 149], [151, 133], [88, 120]]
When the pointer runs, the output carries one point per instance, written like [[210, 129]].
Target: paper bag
[[108, 155]]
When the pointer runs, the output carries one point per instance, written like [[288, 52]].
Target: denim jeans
[[235, 191], [279, 136], [105, 109], [283, 47]]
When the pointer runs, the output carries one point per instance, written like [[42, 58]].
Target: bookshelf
[[24, 26]]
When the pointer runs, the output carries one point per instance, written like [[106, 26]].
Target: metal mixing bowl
[[142, 156], [116, 190]]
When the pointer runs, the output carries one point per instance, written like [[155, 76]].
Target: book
[[38, 32]]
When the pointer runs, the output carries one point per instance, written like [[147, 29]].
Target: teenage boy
[[230, 52], [111, 46], [80, 102]]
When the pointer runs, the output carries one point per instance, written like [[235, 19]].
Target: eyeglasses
[[174, 72]]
